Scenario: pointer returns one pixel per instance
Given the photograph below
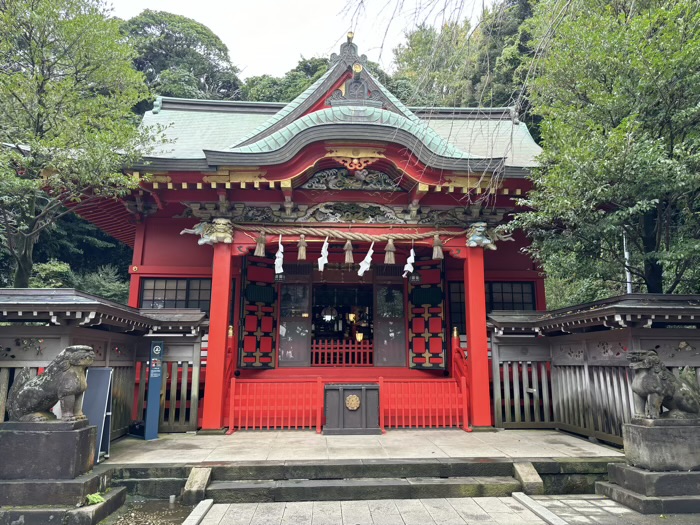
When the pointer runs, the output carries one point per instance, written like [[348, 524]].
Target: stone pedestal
[[663, 474], [46, 450], [663, 445]]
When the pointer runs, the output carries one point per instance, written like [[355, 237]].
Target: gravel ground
[[139, 511]]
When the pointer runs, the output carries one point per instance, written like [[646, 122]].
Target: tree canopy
[[618, 89], [266, 88], [66, 120], [181, 57]]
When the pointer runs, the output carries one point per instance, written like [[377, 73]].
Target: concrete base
[[91, 515], [649, 504], [352, 431], [46, 450], [53, 491], [663, 445], [652, 492]]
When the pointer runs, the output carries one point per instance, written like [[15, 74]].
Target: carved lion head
[[643, 359], [78, 355]]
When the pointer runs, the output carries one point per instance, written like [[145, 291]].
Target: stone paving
[[395, 444], [599, 510], [568, 510], [449, 511]]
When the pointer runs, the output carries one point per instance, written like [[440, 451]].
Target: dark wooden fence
[[580, 382]]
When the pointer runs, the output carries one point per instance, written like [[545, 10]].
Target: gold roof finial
[[351, 35]]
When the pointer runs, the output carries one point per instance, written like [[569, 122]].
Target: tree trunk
[[653, 271], [25, 263]]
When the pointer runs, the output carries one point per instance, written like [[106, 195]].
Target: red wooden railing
[[417, 403], [267, 404], [260, 404], [342, 353]]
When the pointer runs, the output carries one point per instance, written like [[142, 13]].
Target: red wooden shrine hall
[[340, 238]]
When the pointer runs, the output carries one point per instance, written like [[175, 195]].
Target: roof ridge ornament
[[348, 53], [356, 91]]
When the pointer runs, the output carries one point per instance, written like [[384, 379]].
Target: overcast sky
[[270, 36]]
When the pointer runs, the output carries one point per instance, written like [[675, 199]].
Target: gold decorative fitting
[[355, 158], [352, 402], [134, 268]]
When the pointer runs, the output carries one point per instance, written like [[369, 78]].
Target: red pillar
[[136, 262], [219, 315], [477, 343]]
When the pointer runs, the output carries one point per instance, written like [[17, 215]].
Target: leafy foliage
[[267, 88], [66, 95], [52, 274], [618, 89], [104, 282], [181, 57], [457, 65]]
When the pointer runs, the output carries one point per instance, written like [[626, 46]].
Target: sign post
[[155, 382]]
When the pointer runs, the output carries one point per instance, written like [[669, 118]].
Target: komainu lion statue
[[654, 386], [64, 380]]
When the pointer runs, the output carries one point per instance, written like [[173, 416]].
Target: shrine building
[[340, 238]]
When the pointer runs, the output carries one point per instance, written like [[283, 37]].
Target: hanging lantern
[[260, 245], [389, 257], [301, 245], [437, 248], [348, 253]]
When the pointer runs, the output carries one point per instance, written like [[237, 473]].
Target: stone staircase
[[360, 479]]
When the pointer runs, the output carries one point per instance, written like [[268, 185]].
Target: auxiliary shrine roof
[[201, 134]]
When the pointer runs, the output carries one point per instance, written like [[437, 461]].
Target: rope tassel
[[348, 253], [389, 257], [437, 248], [260, 245], [301, 245]]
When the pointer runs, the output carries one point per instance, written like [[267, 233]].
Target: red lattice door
[[426, 316], [258, 315]]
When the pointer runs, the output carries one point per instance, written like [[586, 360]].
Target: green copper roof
[[368, 116], [288, 108]]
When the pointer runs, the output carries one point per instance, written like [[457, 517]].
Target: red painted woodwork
[[259, 323], [423, 404], [475, 298], [427, 320], [219, 316], [298, 404], [275, 404], [166, 247], [342, 353]]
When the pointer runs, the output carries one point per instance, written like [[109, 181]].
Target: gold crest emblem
[[352, 402]]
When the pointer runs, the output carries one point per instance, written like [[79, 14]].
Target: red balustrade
[[436, 403], [259, 404], [342, 353]]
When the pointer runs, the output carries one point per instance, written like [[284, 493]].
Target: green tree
[[266, 88], [181, 57], [618, 88], [52, 274], [66, 124], [105, 282], [457, 65], [438, 64], [82, 245]]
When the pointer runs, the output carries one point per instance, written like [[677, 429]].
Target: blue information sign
[[155, 382]]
